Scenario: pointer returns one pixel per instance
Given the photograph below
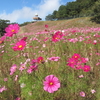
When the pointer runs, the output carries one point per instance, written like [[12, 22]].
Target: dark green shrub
[[3, 25]]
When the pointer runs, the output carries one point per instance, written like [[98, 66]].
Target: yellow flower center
[[51, 83], [75, 56], [0, 41], [86, 68], [20, 46], [12, 30], [56, 38], [72, 62]]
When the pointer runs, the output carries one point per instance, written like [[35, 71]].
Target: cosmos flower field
[[50, 64]]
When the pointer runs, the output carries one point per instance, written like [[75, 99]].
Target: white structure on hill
[[36, 17]]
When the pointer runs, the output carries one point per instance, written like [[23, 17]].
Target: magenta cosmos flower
[[86, 68], [12, 29], [51, 83], [40, 59], [57, 36], [19, 45], [76, 56]]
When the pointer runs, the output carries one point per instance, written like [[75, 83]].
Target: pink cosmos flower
[[2, 39], [86, 68], [24, 38], [33, 61], [22, 67], [5, 79], [11, 29], [13, 69], [46, 26], [54, 58], [84, 60], [81, 76], [57, 36], [32, 68], [95, 42], [29, 70], [45, 39], [19, 45], [82, 94], [93, 91], [76, 56], [3, 89], [51, 84], [40, 59], [74, 40], [72, 62], [78, 67], [16, 78]]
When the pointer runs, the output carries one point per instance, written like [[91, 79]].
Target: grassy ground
[[77, 45]]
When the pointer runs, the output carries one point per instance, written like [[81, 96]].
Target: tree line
[[78, 8]]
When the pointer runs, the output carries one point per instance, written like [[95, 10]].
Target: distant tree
[[49, 17], [61, 13], [78, 8], [54, 14], [73, 9], [3, 25]]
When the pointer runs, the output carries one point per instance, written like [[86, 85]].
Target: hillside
[[58, 25]]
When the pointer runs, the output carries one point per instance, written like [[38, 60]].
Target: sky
[[21, 11]]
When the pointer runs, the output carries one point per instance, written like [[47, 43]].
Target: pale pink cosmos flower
[[13, 69], [22, 67], [51, 84], [44, 45], [29, 70], [82, 94], [95, 42], [20, 45], [3, 89], [16, 78], [54, 58], [5, 79], [81, 76], [97, 63], [93, 91]]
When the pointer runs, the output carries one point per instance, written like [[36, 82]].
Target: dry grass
[[61, 24]]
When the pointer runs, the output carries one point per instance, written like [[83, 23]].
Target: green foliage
[[78, 8], [3, 25], [49, 17]]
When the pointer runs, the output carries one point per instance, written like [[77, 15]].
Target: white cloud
[[27, 13]]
